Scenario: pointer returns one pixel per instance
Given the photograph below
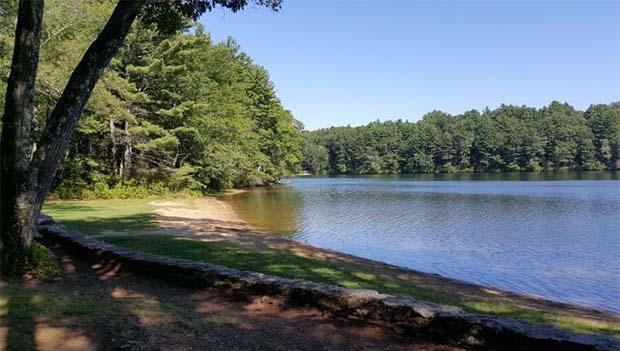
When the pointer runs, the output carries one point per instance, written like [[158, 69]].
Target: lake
[[551, 235]]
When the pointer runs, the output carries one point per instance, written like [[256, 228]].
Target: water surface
[[554, 235]]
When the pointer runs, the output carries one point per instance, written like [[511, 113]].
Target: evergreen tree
[[507, 139]]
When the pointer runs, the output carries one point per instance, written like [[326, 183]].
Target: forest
[[507, 139], [178, 112], [172, 112]]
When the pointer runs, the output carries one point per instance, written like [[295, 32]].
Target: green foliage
[[315, 158], [604, 120], [172, 112], [507, 139], [171, 15], [101, 190], [8, 10], [42, 263], [213, 121]]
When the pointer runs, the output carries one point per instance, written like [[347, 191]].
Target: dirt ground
[[94, 307]]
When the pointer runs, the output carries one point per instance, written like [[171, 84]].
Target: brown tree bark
[[16, 183], [62, 122], [25, 182]]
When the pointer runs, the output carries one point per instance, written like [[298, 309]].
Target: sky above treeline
[[339, 62]]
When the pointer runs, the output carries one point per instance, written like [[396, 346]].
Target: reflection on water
[[274, 209], [556, 236]]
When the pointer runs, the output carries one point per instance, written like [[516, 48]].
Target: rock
[[44, 219]]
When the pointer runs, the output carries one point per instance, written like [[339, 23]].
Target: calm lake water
[[555, 236]]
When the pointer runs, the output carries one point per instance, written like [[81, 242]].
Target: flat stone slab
[[406, 315]]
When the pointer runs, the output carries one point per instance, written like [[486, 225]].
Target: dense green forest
[[509, 138], [170, 113]]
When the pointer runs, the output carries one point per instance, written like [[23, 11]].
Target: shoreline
[[212, 219], [407, 269], [207, 229]]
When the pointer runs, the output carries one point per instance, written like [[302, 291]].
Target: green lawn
[[71, 306], [289, 265], [22, 307], [51, 301], [94, 217], [275, 263]]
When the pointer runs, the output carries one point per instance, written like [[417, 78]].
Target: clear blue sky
[[338, 62]]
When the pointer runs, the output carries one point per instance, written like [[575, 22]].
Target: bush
[[594, 166], [514, 167], [449, 168], [41, 263], [100, 190], [534, 166]]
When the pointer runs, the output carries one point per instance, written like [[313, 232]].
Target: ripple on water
[[556, 239]]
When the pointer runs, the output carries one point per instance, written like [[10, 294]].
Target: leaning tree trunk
[[16, 190], [62, 122]]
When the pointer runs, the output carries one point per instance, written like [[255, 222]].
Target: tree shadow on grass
[[91, 225], [17, 324], [68, 206], [32, 319], [109, 321], [74, 313]]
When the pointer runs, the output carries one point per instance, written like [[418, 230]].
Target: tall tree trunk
[[16, 190], [125, 163], [113, 140], [63, 120]]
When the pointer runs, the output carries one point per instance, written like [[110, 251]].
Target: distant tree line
[[507, 139], [172, 112]]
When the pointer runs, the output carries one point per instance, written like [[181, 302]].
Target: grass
[[23, 307], [289, 265], [98, 216], [279, 264], [19, 302], [576, 324]]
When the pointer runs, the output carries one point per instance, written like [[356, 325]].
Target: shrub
[[100, 190], [41, 263], [594, 166], [534, 166], [449, 168], [514, 167]]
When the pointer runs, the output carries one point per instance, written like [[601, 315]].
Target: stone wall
[[405, 315]]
